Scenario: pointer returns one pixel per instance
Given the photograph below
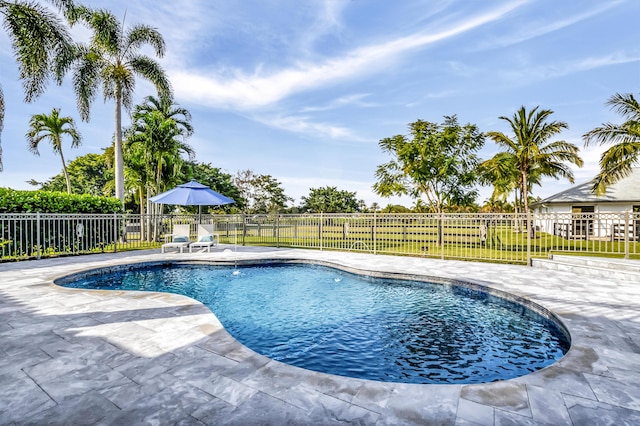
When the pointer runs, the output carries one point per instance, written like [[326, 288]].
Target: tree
[[261, 193], [41, 44], [436, 160], [495, 205], [112, 61], [617, 162], [532, 153], [330, 200], [396, 208], [502, 172], [169, 111], [155, 144], [163, 129], [215, 179], [53, 127], [89, 174]]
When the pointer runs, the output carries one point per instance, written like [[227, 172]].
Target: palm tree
[[169, 110], [617, 162], [53, 127], [534, 156], [501, 172], [41, 45], [112, 61], [156, 141]]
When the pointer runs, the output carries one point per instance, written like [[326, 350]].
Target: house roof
[[625, 190]]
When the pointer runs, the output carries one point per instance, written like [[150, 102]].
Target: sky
[[304, 90]]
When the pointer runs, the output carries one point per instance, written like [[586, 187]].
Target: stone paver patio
[[112, 357]]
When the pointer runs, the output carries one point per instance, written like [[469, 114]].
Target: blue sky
[[304, 90]]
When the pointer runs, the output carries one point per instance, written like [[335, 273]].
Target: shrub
[[15, 201], [28, 235]]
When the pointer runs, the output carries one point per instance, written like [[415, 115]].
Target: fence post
[[626, 235], [529, 229], [244, 228], [375, 233], [38, 235], [277, 231], [115, 232], [441, 235], [320, 230]]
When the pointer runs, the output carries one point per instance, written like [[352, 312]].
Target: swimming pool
[[328, 320]]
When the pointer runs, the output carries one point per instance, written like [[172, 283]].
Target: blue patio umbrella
[[192, 193]]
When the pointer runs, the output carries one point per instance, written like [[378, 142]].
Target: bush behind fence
[[510, 238]]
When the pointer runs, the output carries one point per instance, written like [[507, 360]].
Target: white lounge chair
[[206, 238], [179, 238]]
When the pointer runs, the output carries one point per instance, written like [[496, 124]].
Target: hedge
[[15, 201]]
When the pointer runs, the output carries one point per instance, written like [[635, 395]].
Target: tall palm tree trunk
[[119, 161], [525, 192], [64, 169]]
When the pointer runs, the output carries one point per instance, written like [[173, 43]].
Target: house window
[[582, 221]]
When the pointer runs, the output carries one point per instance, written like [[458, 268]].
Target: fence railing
[[508, 238]]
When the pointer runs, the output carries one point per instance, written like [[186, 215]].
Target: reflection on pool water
[[328, 320]]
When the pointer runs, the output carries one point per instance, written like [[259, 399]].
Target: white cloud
[[327, 21], [537, 28], [560, 69], [249, 91], [355, 100], [603, 61], [303, 124]]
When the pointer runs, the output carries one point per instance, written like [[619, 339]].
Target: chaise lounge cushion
[[205, 239], [180, 239]]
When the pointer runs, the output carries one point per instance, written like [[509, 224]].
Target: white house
[[579, 213]]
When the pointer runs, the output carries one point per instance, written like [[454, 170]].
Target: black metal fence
[[510, 238]]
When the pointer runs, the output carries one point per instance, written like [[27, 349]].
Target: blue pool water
[[331, 321]]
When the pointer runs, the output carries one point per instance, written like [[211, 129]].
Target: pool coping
[[208, 377]]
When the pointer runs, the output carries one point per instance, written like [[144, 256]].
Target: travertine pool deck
[[111, 357]]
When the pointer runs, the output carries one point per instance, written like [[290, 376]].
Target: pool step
[[621, 269]]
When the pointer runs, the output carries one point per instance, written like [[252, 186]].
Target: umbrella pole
[[199, 214]]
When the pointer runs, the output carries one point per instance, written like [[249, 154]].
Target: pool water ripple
[[331, 321]]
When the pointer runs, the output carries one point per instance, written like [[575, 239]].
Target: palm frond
[[107, 31], [140, 35], [502, 139], [63, 5], [610, 133], [51, 127], [152, 71], [38, 37], [605, 178], [85, 78], [616, 163], [625, 105]]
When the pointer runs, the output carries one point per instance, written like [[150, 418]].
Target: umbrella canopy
[[192, 194]]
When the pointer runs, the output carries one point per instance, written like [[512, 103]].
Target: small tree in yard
[[330, 200], [437, 161], [261, 193]]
